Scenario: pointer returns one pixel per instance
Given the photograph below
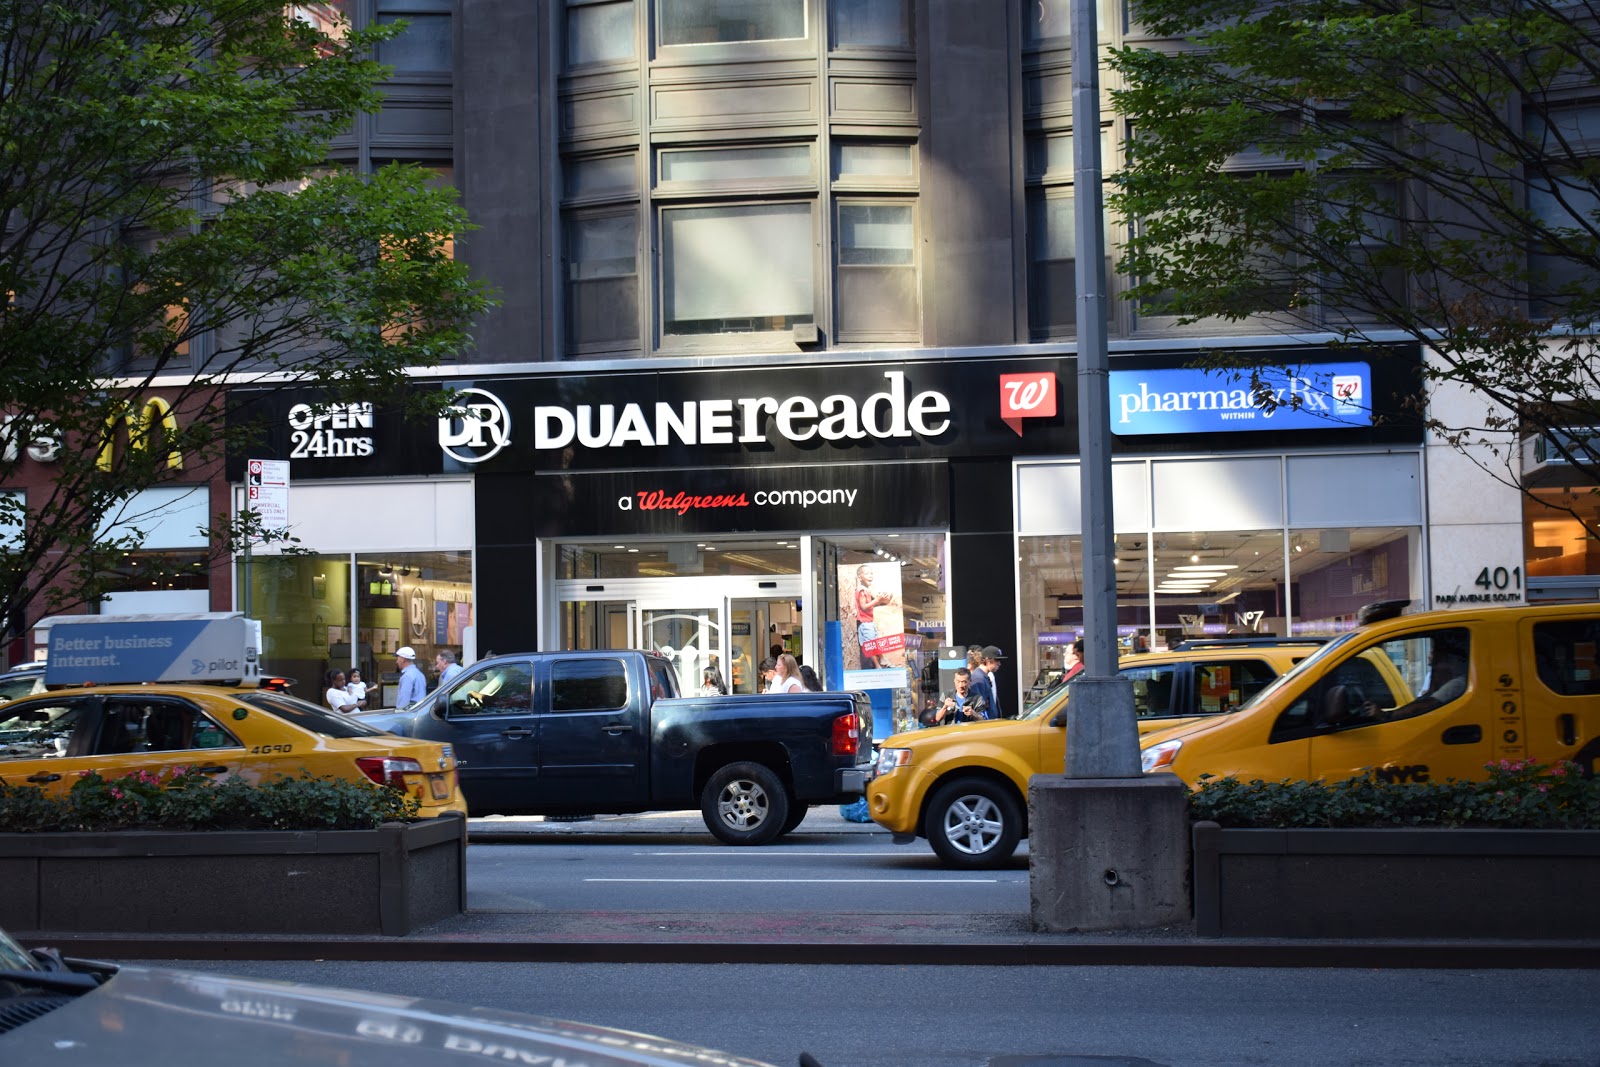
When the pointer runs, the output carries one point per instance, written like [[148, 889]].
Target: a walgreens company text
[[746, 420], [683, 503]]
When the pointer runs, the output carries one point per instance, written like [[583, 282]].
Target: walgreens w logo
[[1027, 396]]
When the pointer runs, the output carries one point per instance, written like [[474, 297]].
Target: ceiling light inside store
[[1205, 567]]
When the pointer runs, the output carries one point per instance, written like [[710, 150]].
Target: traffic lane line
[[831, 881]]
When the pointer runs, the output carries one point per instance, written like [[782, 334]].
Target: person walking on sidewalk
[[413, 685]]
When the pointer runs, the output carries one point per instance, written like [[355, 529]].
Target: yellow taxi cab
[[48, 739], [964, 787], [1414, 698]]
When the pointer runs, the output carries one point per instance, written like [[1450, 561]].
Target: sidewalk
[[835, 937]]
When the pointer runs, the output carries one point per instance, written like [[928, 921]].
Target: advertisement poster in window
[[874, 626]]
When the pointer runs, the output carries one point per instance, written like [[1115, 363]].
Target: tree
[[169, 221], [1363, 166]]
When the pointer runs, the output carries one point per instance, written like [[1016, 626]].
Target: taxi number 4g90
[[260, 749]]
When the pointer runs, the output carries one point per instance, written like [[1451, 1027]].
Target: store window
[[1313, 540], [1556, 524], [355, 610]]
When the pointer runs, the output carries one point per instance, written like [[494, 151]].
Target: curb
[[1394, 955]]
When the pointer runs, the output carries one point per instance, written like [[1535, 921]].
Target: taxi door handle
[[615, 728], [217, 769], [43, 778], [1462, 735], [517, 731]]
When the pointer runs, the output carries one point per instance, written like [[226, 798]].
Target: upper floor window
[[737, 269], [871, 24], [599, 32], [688, 22], [425, 45]]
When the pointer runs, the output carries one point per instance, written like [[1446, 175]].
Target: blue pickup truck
[[606, 733]]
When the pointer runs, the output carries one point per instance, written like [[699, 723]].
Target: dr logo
[[1027, 396]]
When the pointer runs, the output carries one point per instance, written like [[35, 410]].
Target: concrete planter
[[1410, 883], [392, 880]]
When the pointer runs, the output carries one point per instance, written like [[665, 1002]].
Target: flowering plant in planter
[[1514, 794], [180, 800]]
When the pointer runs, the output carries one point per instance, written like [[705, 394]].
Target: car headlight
[[891, 758], [1159, 757]]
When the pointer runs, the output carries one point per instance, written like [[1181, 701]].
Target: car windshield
[[1284, 679], [12, 956], [1050, 703], [309, 716]]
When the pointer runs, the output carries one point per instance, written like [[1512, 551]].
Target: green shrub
[[1518, 794], [184, 801]]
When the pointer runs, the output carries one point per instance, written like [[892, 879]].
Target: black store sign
[[741, 500]]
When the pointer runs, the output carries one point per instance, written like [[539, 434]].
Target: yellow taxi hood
[[1185, 730], [988, 729]]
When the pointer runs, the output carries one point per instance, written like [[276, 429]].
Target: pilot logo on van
[[474, 428]]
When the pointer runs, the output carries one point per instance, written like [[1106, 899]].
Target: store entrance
[[729, 623]]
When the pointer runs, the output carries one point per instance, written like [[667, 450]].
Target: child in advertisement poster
[[868, 600]]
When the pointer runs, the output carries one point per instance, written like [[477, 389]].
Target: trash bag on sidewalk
[[856, 812]]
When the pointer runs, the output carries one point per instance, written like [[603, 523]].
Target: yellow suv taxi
[[1415, 698], [47, 740], [964, 787]]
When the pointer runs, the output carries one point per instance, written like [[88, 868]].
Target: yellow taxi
[[965, 787], [1413, 698], [48, 739]]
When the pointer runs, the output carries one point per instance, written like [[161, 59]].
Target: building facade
[[784, 357]]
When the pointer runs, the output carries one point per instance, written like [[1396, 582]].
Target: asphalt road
[[815, 873], [890, 1016]]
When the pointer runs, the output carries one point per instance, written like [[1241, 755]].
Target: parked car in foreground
[[965, 787], [48, 740], [605, 733], [92, 1014]]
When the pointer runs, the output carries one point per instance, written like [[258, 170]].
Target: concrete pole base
[[1108, 853]]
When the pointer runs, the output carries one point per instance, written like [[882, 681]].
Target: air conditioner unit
[[1543, 463]]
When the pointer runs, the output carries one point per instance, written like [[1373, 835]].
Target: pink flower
[[116, 793], [84, 774], [1544, 789]]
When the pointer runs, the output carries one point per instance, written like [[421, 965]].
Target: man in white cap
[[413, 685]]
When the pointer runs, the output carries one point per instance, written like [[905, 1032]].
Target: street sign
[[267, 489]]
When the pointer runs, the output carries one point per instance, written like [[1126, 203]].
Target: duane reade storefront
[[860, 514], [856, 515]]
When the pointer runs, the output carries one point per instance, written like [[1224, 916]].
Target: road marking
[[818, 880], [756, 854]]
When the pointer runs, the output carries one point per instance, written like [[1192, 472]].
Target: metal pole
[[1099, 744]]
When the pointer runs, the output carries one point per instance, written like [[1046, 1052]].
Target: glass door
[[692, 637]]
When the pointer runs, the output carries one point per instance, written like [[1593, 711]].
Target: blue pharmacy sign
[[1191, 400], [134, 648]]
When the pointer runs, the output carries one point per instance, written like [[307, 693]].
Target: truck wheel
[[745, 804], [973, 824], [797, 815]]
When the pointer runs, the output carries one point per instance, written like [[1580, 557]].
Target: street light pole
[[1102, 740]]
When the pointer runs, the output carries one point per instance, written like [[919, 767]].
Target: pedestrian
[[808, 678], [413, 685], [981, 682], [1074, 662], [992, 657], [337, 696], [961, 704], [711, 683], [445, 663], [769, 667], [356, 687], [786, 676]]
